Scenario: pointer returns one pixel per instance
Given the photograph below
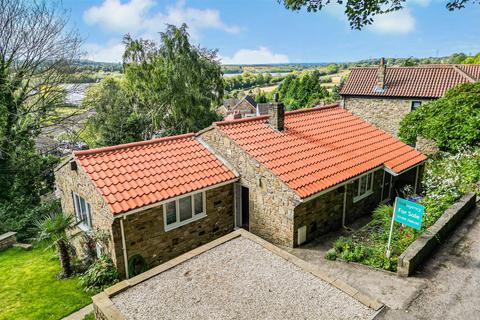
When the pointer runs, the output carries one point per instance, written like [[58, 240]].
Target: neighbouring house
[[384, 95], [306, 172], [155, 199], [287, 177], [246, 107], [228, 104]]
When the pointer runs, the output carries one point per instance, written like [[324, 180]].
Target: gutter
[[157, 204]]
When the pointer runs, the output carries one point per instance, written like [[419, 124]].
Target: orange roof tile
[[425, 81], [320, 147], [137, 174]]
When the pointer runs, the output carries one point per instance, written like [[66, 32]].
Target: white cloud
[[138, 18], [401, 21], [110, 52], [196, 19], [113, 15], [255, 56]]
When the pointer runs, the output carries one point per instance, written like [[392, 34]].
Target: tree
[[53, 229], [302, 91], [177, 85], [36, 52], [115, 120], [452, 121], [360, 13]]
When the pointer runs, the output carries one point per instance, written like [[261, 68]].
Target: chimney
[[381, 75], [277, 114]]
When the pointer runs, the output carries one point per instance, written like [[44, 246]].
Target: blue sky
[[263, 31]]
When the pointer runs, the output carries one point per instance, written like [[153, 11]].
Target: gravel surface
[[238, 280]]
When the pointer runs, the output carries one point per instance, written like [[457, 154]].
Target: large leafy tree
[[36, 51], [452, 121], [175, 84], [302, 91], [361, 12], [115, 121]]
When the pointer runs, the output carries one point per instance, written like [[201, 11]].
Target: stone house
[[287, 177], [305, 172], [155, 199], [384, 95], [245, 107]]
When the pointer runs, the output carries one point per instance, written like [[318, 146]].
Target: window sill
[[363, 196], [183, 223], [84, 228]]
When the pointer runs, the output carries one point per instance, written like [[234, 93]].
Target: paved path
[[80, 314], [447, 287], [452, 279]]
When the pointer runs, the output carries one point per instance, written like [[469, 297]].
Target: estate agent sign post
[[408, 213]]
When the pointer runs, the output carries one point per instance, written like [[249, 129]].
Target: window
[[364, 187], [416, 104], [184, 210], [83, 212]]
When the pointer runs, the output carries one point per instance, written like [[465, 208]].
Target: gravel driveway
[[238, 280]]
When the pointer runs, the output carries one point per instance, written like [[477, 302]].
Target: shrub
[[451, 121], [331, 254], [100, 275]]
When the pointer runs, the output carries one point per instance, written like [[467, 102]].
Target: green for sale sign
[[409, 213]]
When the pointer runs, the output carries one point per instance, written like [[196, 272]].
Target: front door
[[387, 187], [245, 208]]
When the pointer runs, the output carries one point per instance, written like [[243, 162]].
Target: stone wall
[[325, 212], [7, 240], [244, 107], [271, 201], [421, 248], [386, 114], [145, 231], [68, 181]]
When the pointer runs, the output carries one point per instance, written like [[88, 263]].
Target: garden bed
[[446, 179]]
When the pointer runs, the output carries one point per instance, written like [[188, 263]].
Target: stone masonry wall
[[386, 114], [383, 113], [68, 181], [7, 240], [145, 231], [324, 213], [271, 202]]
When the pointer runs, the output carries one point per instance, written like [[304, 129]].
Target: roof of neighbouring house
[[425, 81], [134, 175], [249, 99], [320, 147]]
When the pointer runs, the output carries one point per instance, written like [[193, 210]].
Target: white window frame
[[194, 217], [84, 225], [368, 188]]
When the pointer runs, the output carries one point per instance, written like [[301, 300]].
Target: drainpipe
[[124, 247], [416, 181], [344, 206]]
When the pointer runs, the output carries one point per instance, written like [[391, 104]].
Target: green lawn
[[29, 288]]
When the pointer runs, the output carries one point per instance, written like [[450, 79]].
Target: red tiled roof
[[320, 147], [427, 81], [137, 174]]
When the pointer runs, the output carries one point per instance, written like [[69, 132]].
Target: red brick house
[[287, 177], [384, 95]]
